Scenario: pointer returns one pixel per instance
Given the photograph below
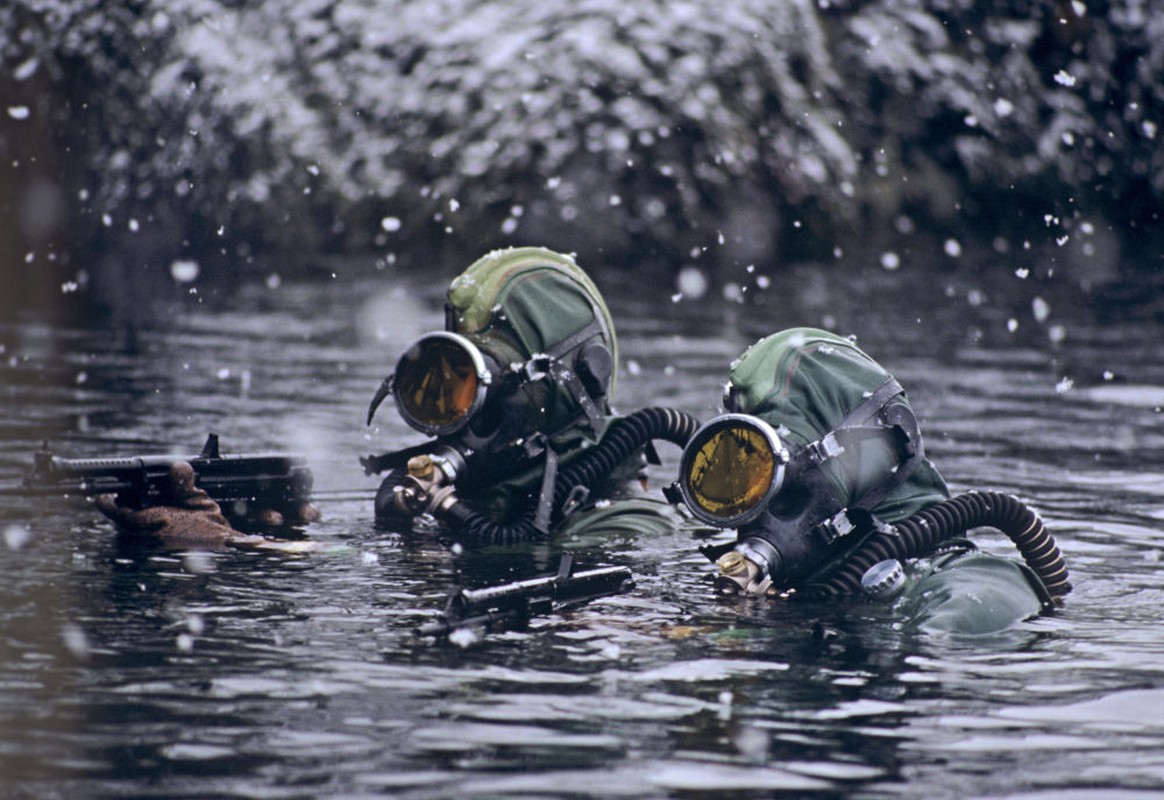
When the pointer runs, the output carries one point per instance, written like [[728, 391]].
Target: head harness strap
[[895, 421], [567, 375]]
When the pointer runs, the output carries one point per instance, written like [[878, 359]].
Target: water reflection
[[127, 670]]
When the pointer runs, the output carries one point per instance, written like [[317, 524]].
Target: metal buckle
[[576, 497], [824, 448], [837, 526], [537, 368]]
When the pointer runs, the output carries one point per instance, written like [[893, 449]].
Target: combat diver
[[515, 393], [818, 463]]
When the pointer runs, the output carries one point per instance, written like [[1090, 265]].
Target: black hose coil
[[921, 533], [623, 437]]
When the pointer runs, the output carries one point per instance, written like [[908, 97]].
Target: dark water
[[130, 672]]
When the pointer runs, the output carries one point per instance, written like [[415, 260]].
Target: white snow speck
[[184, 270], [75, 640], [692, 282], [465, 637], [26, 70], [16, 536]]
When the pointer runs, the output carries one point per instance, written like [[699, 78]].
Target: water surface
[[128, 671]]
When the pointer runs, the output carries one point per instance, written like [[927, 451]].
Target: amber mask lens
[[729, 470], [437, 384]]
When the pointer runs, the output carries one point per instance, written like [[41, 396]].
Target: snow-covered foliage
[[652, 129], [1042, 108]]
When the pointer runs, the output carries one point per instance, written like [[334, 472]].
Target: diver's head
[[739, 472], [528, 348], [816, 437]]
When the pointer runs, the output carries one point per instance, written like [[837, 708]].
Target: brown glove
[[190, 519], [305, 515]]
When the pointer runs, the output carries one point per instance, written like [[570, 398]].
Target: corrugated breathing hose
[[623, 437], [921, 533]]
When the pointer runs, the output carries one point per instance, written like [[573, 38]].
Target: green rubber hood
[[803, 382], [518, 302]]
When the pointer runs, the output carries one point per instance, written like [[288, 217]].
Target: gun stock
[[242, 484]]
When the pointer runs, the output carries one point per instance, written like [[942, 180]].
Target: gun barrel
[[580, 586], [512, 604], [91, 476], [487, 622], [240, 483]]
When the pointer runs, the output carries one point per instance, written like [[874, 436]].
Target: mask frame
[[752, 444], [476, 373], [494, 415]]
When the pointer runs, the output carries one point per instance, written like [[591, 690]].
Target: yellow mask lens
[[730, 469], [439, 383]]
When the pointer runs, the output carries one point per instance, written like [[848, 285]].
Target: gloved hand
[[305, 515], [190, 517], [387, 512]]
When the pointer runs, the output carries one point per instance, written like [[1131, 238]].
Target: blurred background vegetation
[[145, 141]]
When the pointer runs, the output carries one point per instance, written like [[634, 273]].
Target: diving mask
[[731, 469], [797, 508], [440, 383]]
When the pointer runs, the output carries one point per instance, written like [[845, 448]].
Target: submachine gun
[[242, 484], [511, 605]]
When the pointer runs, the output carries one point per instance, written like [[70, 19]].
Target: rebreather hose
[[623, 437], [919, 534]]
